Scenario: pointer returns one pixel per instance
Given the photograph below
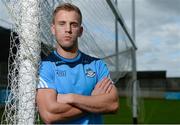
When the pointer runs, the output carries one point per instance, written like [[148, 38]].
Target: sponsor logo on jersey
[[90, 72], [61, 73]]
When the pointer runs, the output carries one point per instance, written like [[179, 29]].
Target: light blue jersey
[[78, 75]]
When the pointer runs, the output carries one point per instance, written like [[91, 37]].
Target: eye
[[74, 25], [61, 23]]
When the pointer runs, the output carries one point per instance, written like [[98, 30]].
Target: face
[[67, 29]]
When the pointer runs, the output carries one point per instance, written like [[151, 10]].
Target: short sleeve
[[46, 75], [102, 70]]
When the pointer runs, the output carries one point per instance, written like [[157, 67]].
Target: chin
[[67, 45], [68, 48]]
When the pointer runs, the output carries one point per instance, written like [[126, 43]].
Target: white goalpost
[[29, 58], [24, 58]]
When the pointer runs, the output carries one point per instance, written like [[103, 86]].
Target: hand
[[103, 87], [64, 98]]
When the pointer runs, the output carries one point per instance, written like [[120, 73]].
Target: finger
[[98, 85], [107, 85], [105, 81], [109, 89]]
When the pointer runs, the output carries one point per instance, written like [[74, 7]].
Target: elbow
[[114, 107], [47, 117], [48, 120]]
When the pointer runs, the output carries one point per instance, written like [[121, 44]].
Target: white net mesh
[[23, 62], [32, 19]]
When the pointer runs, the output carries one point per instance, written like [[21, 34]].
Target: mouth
[[67, 37]]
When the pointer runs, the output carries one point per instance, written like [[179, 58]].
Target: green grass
[[162, 111], [157, 111], [122, 116]]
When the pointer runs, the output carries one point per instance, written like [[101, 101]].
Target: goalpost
[[32, 21], [29, 54], [24, 59]]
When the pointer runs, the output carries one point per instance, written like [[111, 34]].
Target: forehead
[[65, 15]]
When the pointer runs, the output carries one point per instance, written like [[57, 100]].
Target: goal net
[[31, 35]]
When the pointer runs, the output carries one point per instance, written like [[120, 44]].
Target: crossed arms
[[61, 107]]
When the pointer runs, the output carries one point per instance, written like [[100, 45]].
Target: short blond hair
[[67, 7]]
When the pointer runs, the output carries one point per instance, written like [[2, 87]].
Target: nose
[[68, 28]]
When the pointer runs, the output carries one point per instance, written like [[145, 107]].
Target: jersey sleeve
[[46, 75], [102, 70]]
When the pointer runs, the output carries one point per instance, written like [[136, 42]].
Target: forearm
[[95, 104], [105, 103], [60, 112]]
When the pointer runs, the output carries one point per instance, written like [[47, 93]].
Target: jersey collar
[[66, 59]]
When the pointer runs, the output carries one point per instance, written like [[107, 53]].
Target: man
[[73, 88]]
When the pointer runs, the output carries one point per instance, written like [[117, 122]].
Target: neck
[[70, 54]]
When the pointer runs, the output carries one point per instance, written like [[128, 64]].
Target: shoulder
[[92, 58], [50, 58], [47, 62], [97, 62], [88, 58]]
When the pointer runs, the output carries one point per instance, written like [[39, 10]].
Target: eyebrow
[[73, 22], [61, 21]]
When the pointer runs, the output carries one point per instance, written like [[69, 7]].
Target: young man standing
[[73, 88]]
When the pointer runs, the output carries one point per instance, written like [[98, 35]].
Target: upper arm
[[103, 70], [50, 110], [46, 98], [114, 93]]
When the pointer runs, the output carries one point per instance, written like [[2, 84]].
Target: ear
[[53, 29], [80, 31]]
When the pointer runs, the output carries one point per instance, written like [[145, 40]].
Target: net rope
[[24, 56]]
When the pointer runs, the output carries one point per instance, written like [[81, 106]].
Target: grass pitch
[[153, 111]]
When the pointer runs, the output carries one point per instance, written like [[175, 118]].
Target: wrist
[[71, 98]]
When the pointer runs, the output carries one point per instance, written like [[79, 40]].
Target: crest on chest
[[90, 73]]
